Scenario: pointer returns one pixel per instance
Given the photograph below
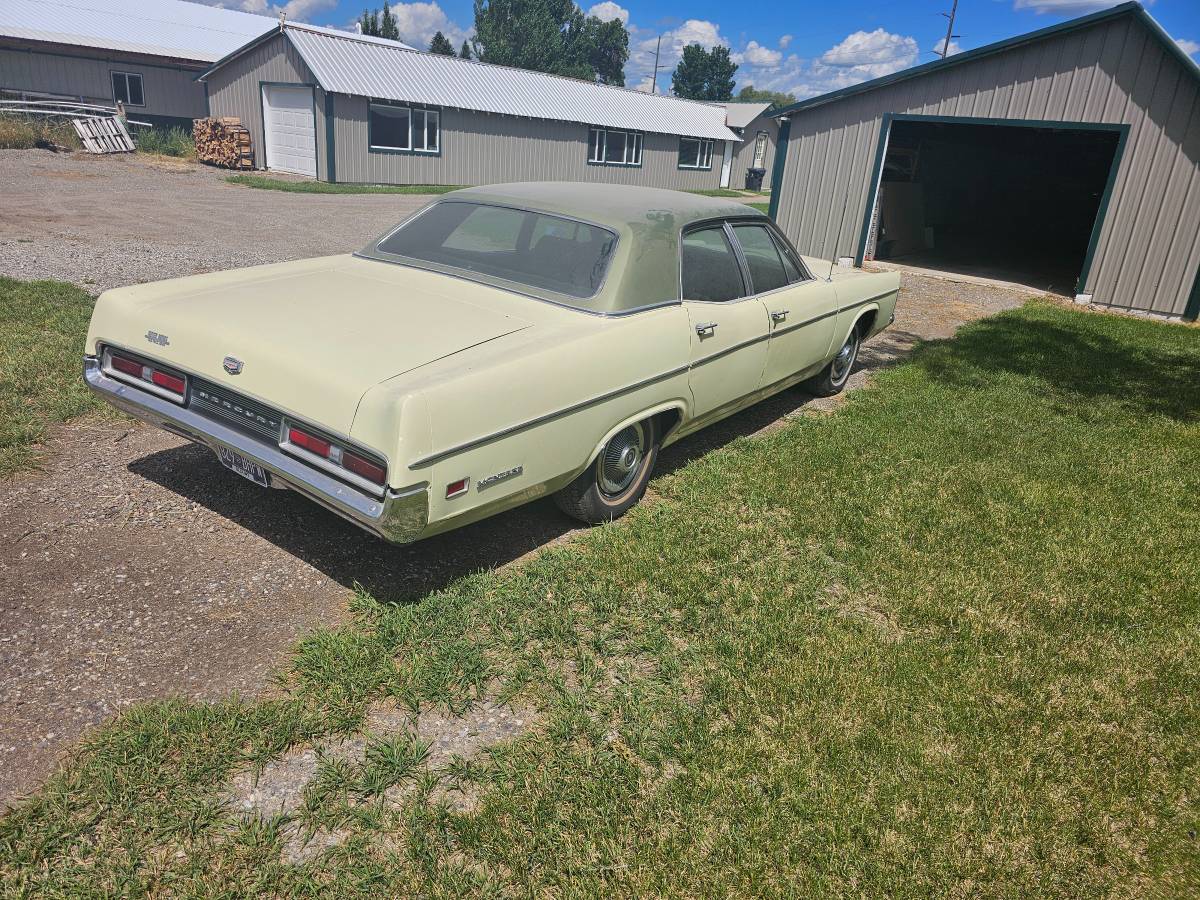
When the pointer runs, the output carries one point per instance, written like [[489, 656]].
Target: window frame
[[602, 146], [112, 78], [781, 241], [703, 159], [765, 139], [412, 109]]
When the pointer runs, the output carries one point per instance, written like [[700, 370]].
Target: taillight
[[364, 468], [174, 385], [309, 442], [336, 458]]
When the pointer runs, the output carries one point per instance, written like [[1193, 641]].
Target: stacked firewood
[[223, 141]]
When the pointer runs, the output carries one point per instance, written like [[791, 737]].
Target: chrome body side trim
[[400, 516], [538, 420]]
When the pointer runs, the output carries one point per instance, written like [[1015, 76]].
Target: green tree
[[465, 52], [441, 45], [704, 74], [387, 24], [369, 23], [550, 36], [751, 94]]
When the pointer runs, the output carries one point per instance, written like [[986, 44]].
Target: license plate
[[245, 467]]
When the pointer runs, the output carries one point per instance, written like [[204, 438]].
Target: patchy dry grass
[[27, 132], [324, 187], [945, 640]]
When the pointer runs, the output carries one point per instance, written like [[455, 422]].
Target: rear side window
[[767, 268], [709, 268], [516, 245]]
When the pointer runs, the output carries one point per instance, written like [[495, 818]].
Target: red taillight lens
[[308, 442], [170, 382], [128, 366], [364, 468]]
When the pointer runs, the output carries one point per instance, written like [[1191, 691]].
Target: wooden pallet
[[103, 135]]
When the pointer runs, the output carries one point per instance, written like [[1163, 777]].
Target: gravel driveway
[[134, 566]]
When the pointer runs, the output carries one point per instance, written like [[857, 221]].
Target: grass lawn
[[945, 640], [761, 207], [717, 192], [43, 325], [324, 187]]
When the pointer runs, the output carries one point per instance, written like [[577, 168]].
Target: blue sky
[[801, 48]]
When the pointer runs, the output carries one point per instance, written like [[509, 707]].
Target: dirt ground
[[133, 566]]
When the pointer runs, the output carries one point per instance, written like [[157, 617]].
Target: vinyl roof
[[1122, 9], [155, 27], [345, 63]]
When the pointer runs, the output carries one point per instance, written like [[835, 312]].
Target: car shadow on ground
[[398, 574]]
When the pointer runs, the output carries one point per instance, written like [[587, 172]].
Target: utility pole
[[654, 78], [950, 29]]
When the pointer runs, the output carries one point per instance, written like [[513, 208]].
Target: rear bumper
[[400, 516]]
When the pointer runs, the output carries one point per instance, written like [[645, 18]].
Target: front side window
[[768, 272], [401, 128], [695, 153], [516, 245], [127, 89], [610, 147], [708, 267]]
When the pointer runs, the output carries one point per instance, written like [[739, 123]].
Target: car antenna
[[841, 222]]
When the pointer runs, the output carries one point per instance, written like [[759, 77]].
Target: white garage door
[[290, 129]]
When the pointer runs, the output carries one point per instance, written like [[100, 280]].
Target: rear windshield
[[516, 245]]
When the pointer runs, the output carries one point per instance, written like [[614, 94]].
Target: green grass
[[761, 207], [165, 142], [324, 187], [42, 329], [717, 192], [944, 640]]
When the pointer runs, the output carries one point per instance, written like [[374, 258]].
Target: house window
[[695, 153], [127, 89], [610, 147], [394, 127], [760, 150]]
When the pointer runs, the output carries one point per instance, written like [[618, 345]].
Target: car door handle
[[706, 329], [779, 315]]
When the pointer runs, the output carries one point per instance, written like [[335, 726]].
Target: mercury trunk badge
[[232, 365]]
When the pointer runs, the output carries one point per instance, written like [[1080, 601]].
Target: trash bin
[[754, 179]]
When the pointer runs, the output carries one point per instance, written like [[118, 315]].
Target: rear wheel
[[834, 376], [616, 480]]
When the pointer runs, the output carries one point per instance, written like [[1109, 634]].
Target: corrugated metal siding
[[169, 91], [1114, 72], [478, 148], [347, 65], [235, 90], [743, 158]]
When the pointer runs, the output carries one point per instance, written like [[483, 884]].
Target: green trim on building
[[330, 132], [1102, 209], [781, 148], [885, 129], [1124, 9], [1191, 312]]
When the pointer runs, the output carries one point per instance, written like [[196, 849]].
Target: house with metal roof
[[1066, 159], [146, 54], [341, 107], [759, 132]]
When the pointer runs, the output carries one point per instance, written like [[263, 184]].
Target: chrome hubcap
[[840, 368], [621, 460]]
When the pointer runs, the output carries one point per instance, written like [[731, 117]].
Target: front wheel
[[616, 480], [834, 376]]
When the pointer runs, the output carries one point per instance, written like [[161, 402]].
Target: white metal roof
[[344, 63], [739, 115], [155, 27]]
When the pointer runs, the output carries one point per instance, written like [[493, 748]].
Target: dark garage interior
[[1013, 203]]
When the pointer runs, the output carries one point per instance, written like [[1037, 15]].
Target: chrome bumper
[[399, 517]]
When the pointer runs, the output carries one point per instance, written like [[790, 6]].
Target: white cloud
[[418, 22], [878, 51], [1063, 7], [1191, 48], [757, 55], [607, 11], [954, 47], [297, 10], [641, 51], [784, 41]]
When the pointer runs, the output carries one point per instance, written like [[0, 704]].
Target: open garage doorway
[[1013, 202]]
